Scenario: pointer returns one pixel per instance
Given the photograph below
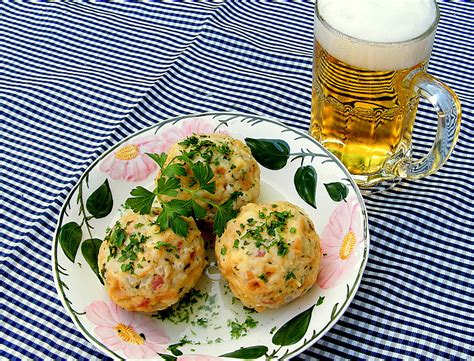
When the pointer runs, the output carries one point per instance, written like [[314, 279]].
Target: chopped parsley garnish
[[126, 248], [289, 276], [263, 278], [127, 267], [251, 222], [185, 341], [224, 149], [236, 243], [282, 248], [206, 148], [129, 252], [115, 238], [202, 322], [192, 140], [174, 348], [273, 224], [183, 310], [166, 245], [249, 310], [223, 250], [239, 329], [195, 308], [282, 216]]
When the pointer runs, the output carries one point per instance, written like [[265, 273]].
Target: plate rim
[[54, 261]]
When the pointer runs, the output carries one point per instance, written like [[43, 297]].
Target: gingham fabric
[[76, 78]]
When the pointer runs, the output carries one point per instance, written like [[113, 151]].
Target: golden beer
[[369, 70], [363, 116]]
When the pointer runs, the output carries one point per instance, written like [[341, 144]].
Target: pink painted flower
[[341, 241], [186, 128], [130, 162], [197, 357], [136, 335]]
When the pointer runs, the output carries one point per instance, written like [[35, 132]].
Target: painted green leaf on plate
[[305, 183], [248, 352], [70, 237], [90, 252], [168, 357], [271, 153], [294, 330], [337, 191], [100, 202], [334, 310], [174, 349]]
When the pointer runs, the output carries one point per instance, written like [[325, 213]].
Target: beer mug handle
[[448, 107]]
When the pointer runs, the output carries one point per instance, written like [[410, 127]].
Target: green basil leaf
[[248, 352], [337, 191], [100, 202], [70, 236], [90, 252], [271, 153], [294, 330], [305, 184]]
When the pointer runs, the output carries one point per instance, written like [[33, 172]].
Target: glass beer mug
[[369, 71]]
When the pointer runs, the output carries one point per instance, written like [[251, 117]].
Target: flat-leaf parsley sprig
[[169, 185]]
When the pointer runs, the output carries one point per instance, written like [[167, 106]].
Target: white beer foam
[[386, 29]]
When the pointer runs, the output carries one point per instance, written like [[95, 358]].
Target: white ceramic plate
[[211, 323]]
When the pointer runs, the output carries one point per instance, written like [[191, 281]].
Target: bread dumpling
[[235, 170], [269, 254], [145, 269]]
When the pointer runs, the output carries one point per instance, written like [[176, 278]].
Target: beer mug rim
[[425, 34]]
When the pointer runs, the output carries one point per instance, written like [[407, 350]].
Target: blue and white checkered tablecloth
[[78, 77]]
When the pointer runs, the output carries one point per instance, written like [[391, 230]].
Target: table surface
[[78, 78]]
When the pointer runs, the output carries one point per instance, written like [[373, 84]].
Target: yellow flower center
[[347, 245], [128, 334], [127, 152]]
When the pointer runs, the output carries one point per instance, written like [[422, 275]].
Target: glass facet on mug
[[369, 71]]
